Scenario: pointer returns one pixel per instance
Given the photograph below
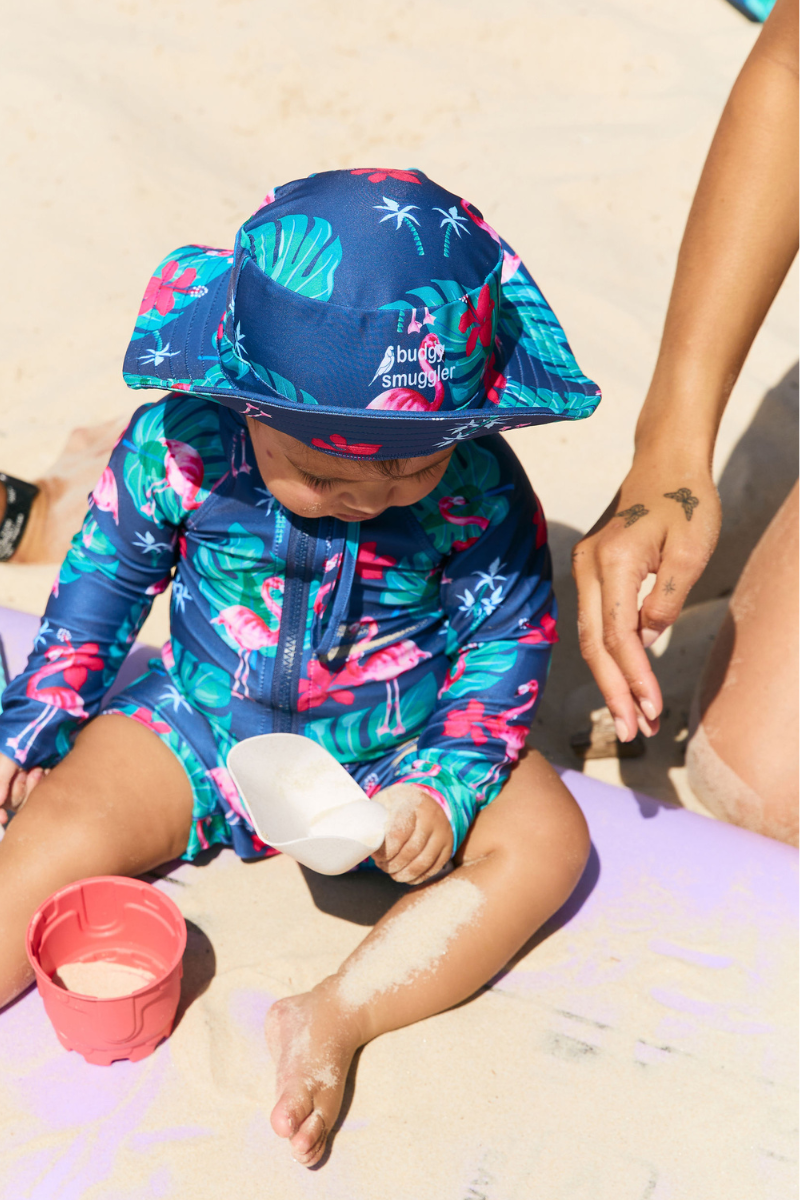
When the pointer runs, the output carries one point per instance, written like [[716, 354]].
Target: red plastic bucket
[[124, 921]]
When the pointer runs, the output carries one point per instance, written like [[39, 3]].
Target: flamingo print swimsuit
[[413, 647]]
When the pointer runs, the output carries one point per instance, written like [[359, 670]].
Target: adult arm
[[739, 242]]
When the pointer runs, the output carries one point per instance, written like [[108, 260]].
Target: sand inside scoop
[[103, 979]]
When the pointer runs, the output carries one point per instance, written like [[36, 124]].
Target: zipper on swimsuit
[[294, 614]]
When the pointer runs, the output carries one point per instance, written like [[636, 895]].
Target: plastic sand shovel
[[303, 802]]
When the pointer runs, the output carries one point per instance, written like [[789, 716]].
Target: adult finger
[[621, 577], [607, 673], [677, 574]]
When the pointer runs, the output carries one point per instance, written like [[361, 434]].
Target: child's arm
[[119, 561], [497, 593]]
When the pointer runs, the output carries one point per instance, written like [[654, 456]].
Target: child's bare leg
[[521, 860], [119, 804]]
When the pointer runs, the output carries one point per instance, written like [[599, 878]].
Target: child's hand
[[419, 840], [15, 786]]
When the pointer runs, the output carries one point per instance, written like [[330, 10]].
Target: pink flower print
[[493, 380], [167, 655], [370, 565], [467, 722], [105, 494], [319, 686], [480, 318], [338, 445], [144, 717], [184, 468], [379, 174], [161, 290]]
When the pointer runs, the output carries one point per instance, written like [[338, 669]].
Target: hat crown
[[367, 238]]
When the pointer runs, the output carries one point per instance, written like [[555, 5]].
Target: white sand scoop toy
[[304, 803]]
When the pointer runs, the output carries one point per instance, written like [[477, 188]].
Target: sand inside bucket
[[103, 979]]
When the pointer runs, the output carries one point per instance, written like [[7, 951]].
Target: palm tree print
[[402, 216], [451, 218]]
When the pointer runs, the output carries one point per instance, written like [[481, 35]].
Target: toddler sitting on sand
[[355, 557]]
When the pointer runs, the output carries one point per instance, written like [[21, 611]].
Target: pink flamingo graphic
[[408, 399], [542, 634], [184, 468], [249, 632], [230, 792], [105, 495], [75, 665], [384, 665], [446, 505], [472, 722], [479, 221], [514, 735], [236, 810]]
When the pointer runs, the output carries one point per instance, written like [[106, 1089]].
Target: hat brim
[[537, 380]]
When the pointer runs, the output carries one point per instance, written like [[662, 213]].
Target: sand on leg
[[120, 803], [438, 945]]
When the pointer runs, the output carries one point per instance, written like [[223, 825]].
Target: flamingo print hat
[[368, 313]]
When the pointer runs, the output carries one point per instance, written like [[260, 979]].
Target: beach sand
[[579, 130]]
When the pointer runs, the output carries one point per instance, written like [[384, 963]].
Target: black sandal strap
[[19, 499]]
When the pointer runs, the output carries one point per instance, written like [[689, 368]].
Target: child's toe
[[293, 1108], [308, 1143]]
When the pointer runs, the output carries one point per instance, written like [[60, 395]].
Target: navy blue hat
[[368, 313]]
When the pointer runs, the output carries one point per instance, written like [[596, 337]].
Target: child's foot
[[312, 1042]]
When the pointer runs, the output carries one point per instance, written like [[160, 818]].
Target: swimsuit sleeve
[[118, 562], [498, 597]]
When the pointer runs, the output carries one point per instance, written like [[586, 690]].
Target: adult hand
[[15, 786], [664, 520], [419, 840]]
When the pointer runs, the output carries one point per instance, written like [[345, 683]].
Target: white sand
[[103, 979], [580, 130], [413, 942]]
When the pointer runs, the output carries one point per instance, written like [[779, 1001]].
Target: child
[[351, 558]]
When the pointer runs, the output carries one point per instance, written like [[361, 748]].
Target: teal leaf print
[[302, 260], [484, 665], [465, 353], [174, 423], [360, 736]]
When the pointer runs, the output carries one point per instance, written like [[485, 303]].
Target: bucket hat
[[369, 313]]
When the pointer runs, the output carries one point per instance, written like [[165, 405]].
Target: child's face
[[311, 483]]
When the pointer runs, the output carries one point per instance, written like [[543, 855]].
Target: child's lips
[[355, 516]]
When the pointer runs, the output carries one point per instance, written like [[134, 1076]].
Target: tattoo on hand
[[685, 498], [669, 587], [632, 514]]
